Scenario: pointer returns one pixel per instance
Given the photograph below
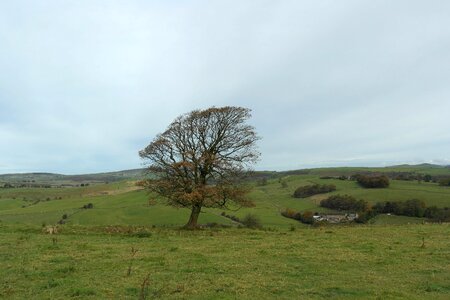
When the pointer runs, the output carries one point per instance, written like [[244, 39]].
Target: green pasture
[[340, 262], [120, 204], [392, 257]]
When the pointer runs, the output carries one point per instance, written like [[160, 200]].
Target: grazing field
[[370, 262], [104, 224], [123, 203]]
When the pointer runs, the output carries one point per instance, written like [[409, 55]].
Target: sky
[[85, 85]]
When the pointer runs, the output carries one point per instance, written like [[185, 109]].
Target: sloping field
[[392, 257], [122, 203]]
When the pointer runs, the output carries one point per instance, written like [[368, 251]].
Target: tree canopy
[[201, 158]]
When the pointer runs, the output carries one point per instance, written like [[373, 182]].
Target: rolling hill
[[120, 242], [120, 202]]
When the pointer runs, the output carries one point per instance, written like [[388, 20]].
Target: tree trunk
[[195, 212]]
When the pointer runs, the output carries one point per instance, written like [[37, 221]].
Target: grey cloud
[[84, 85]]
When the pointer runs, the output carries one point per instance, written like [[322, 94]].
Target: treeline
[[310, 190], [410, 176], [24, 185], [342, 177], [365, 180], [306, 217], [413, 208], [40, 185], [365, 211], [345, 202], [379, 181], [369, 179], [410, 208]]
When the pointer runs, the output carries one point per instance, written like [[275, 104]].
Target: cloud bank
[[84, 85]]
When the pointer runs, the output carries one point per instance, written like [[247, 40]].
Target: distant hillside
[[70, 180], [434, 170], [135, 174]]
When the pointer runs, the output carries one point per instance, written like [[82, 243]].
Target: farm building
[[336, 218]]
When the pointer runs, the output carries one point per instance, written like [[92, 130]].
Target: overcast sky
[[84, 85]]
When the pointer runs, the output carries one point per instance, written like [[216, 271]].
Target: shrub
[[363, 217], [414, 208], [392, 207], [427, 178], [437, 214], [307, 217], [310, 190], [251, 221], [291, 214], [444, 182], [381, 181]]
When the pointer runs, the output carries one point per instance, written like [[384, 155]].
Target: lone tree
[[202, 158]]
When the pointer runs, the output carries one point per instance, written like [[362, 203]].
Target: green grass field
[[121, 203], [385, 259], [358, 262]]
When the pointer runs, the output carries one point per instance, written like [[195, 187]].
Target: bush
[[414, 208], [371, 182], [437, 214], [307, 217], [444, 182], [363, 217], [310, 190], [345, 202], [291, 214], [251, 221], [427, 178]]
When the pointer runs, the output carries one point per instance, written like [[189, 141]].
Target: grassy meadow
[[392, 257], [122, 203], [371, 262]]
